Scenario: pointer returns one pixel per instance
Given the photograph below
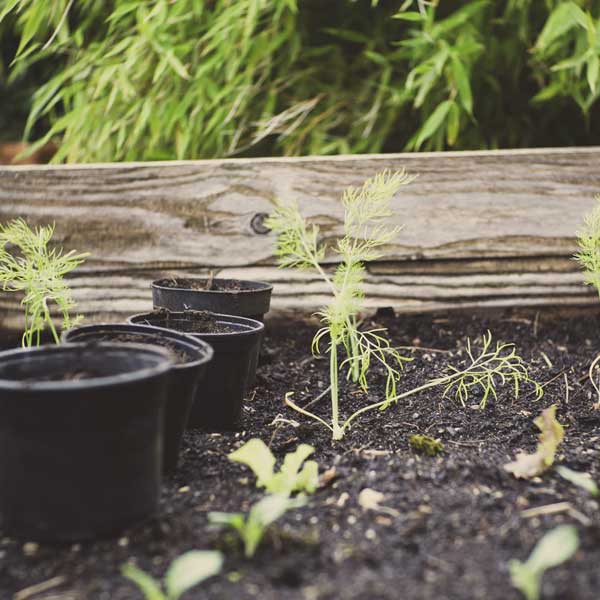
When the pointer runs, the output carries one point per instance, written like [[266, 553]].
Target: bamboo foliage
[[143, 80]]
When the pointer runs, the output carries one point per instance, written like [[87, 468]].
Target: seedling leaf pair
[[252, 528], [296, 474], [526, 466], [555, 548], [185, 572]]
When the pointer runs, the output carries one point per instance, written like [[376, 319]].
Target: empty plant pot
[[239, 297], [218, 402], [80, 439], [190, 357]]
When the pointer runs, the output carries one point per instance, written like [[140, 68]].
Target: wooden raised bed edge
[[481, 229]]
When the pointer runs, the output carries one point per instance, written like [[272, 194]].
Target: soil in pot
[[449, 524], [240, 297], [235, 340], [190, 356], [80, 439]]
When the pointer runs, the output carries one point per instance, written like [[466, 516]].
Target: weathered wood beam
[[480, 228]]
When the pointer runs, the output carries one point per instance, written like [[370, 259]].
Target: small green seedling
[[588, 257], [582, 480], [425, 444], [555, 548], [252, 528], [526, 466], [29, 266], [293, 475], [367, 214], [494, 365], [185, 572]]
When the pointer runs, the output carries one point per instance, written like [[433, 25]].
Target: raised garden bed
[[449, 524]]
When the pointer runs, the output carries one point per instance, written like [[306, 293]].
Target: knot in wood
[[258, 223]]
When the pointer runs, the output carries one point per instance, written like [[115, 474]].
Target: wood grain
[[480, 228]]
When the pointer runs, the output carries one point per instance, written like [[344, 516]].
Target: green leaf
[[290, 478], [555, 548], [146, 583], [9, 7], [433, 123], [463, 85], [409, 16], [582, 480], [563, 18], [190, 569], [256, 455], [593, 67]]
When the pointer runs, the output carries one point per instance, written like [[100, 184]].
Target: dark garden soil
[[193, 321], [213, 285], [449, 525]]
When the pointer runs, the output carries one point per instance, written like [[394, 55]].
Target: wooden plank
[[480, 228]]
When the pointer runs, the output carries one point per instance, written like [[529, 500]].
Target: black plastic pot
[[192, 357], [227, 296], [80, 439], [218, 402], [240, 297]]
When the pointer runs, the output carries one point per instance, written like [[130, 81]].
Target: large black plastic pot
[[191, 357], [218, 402], [80, 439], [240, 297]]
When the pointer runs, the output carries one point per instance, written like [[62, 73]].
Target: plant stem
[[338, 432], [591, 376], [50, 323], [421, 388]]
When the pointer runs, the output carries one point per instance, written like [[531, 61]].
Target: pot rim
[[164, 365], [259, 286], [197, 344], [253, 325]]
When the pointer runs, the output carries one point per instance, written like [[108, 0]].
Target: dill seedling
[[588, 257], [29, 266], [493, 365], [366, 215]]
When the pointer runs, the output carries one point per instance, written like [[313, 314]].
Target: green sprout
[[185, 572], [425, 444], [555, 548], [366, 230], [296, 474], [29, 266], [499, 364], [252, 528], [588, 257]]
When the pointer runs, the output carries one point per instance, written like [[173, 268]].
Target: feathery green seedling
[[555, 548], [366, 214], [494, 365], [185, 572], [252, 528], [425, 444], [588, 257], [294, 476], [38, 272]]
